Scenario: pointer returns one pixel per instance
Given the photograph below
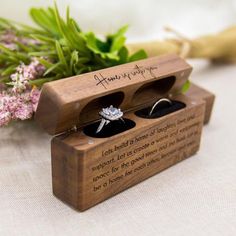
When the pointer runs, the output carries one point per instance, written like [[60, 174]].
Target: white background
[[146, 18]]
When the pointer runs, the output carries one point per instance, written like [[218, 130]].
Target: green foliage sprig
[[62, 47]]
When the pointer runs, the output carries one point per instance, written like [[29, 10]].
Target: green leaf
[[54, 68], [6, 50], [139, 55], [12, 59], [41, 54], [62, 58], [41, 81], [60, 53], [92, 42], [45, 20], [4, 79], [6, 24], [63, 48], [118, 39], [74, 59], [58, 19], [23, 47], [44, 62], [186, 86], [99, 47], [109, 49], [70, 32], [9, 70], [42, 38], [16, 56], [123, 55]]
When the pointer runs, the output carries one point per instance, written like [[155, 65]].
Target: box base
[[88, 170]]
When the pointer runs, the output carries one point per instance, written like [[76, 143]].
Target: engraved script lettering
[[137, 70]]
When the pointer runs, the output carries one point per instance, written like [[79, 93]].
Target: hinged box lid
[[76, 101]]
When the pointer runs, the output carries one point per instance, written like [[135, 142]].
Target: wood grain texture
[[77, 100], [198, 92], [86, 171]]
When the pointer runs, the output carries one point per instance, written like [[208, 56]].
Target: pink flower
[[5, 115], [34, 97], [10, 46], [14, 106], [23, 111], [29, 41], [19, 83], [31, 71], [5, 118], [9, 39], [25, 73], [39, 68]]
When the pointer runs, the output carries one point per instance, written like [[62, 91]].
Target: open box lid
[[76, 101]]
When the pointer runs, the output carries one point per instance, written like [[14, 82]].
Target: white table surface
[[194, 197]]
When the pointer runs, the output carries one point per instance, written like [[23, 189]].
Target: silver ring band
[[158, 102], [102, 123]]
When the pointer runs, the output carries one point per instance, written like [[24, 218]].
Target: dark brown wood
[[198, 92], [77, 100], [86, 170]]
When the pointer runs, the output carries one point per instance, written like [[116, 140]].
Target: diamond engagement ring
[[109, 114], [158, 102]]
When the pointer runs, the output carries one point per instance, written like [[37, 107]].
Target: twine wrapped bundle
[[220, 47]]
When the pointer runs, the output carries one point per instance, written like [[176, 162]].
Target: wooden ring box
[[87, 169]]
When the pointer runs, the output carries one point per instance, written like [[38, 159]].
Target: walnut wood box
[[87, 169]]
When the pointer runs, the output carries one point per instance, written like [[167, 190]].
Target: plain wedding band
[[158, 102]]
